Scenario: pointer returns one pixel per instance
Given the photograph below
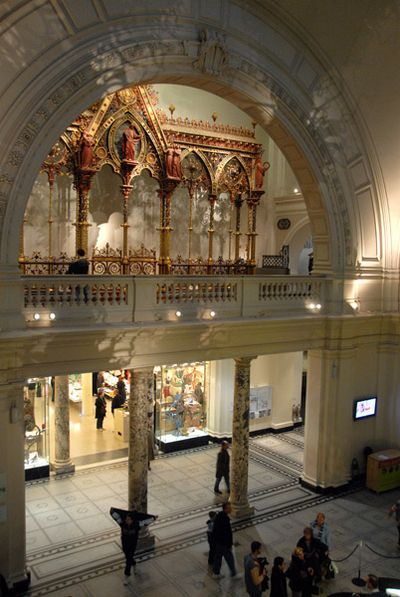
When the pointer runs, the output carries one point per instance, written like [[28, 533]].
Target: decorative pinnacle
[[214, 116], [172, 109]]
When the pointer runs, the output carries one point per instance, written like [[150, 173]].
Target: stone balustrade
[[85, 299]]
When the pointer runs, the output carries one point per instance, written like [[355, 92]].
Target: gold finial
[[214, 116], [172, 108]]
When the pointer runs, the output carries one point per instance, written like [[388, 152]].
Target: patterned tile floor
[[73, 545]]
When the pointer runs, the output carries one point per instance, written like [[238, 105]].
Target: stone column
[[240, 439], [12, 484], [141, 395], [331, 438], [62, 462]]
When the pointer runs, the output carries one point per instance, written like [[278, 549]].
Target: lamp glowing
[[212, 314], [52, 316], [178, 313], [36, 316]]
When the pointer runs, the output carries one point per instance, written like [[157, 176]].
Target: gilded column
[[240, 439], [141, 395], [238, 206], [62, 462], [211, 200], [253, 203], [165, 194]]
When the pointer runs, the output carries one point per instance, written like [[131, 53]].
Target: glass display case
[[181, 406], [37, 393]]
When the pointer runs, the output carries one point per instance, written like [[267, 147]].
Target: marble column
[[240, 439], [141, 395], [62, 462], [12, 484]]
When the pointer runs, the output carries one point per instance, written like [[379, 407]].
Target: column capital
[[244, 361]]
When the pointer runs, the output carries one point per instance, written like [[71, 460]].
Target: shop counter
[[121, 424]]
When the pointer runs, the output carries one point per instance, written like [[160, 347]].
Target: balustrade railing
[[74, 291], [196, 292], [157, 298]]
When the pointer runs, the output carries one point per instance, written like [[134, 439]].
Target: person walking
[[278, 578], [101, 409], [210, 539], [222, 468], [395, 510], [255, 571], [130, 523], [223, 538]]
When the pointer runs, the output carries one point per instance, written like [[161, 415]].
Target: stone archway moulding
[[228, 67]]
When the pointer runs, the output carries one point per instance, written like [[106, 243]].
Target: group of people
[[118, 400], [310, 560]]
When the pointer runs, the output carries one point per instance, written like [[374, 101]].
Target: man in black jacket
[[222, 469], [223, 539], [80, 266], [130, 523]]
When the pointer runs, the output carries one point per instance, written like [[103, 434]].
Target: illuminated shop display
[[181, 405]]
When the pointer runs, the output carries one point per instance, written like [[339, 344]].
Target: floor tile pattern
[[74, 549]]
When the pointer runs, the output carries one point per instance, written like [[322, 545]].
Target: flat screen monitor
[[364, 408]]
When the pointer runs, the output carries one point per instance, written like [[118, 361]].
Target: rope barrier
[[381, 554], [347, 557]]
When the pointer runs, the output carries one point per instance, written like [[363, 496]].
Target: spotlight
[[318, 306], [212, 314], [296, 190], [36, 316], [52, 316], [178, 313], [311, 306]]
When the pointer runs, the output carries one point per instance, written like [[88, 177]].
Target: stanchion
[[358, 581]]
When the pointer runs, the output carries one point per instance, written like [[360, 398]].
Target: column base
[[242, 511], [321, 489], [63, 468], [20, 584], [146, 541]]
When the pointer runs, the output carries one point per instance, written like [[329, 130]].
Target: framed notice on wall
[[260, 402]]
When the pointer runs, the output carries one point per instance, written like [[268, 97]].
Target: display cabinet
[[181, 406], [37, 393]]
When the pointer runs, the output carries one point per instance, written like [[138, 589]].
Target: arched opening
[[210, 215]]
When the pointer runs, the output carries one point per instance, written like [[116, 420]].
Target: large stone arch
[[276, 82]]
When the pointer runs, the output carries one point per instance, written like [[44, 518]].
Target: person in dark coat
[[278, 578], [121, 387], [300, 575], [314, 551], [223, 541], [130, 523], [222, 469], [101, 408], [117, 402], [80, 266]]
